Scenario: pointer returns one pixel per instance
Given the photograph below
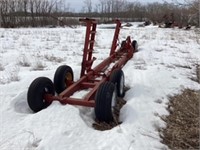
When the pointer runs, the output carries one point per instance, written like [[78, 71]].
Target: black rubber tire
[[135, 45], [105, 100], [117, 77], [60, 77], [36, 91]]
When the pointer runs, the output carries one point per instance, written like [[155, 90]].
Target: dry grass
[[11, 75], [38, 66], [23, 61], [182, 130], [52, 58], [198, 73]]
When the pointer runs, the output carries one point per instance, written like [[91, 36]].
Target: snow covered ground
[[164, 65]]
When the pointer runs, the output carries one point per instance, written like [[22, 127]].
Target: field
[[165, 65]]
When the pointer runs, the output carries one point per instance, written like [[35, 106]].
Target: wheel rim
[[68, 77], [46, 90], [114, 96], [121, 86], [136, 46]]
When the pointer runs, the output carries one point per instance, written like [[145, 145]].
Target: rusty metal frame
[[92, 78]]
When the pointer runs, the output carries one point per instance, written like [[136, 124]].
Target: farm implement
[[104, 82]]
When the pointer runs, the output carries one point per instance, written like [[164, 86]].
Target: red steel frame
[[92, 78]]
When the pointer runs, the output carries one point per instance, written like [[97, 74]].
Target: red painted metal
[[89, 45], [91, 78], [116, 35]]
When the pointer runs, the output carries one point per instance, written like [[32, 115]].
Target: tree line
[[17, 13], [39, 13]]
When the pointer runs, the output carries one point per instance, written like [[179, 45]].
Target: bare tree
[[118, 5], [88, 5], [102, 5], [48, 12], [193, 10], [4, 8], [67, 7]]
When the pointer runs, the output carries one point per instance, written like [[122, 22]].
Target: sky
[[77, 5]]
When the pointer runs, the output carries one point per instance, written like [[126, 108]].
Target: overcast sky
[[77, 5]]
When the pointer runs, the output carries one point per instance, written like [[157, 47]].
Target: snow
[[163, 67]]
